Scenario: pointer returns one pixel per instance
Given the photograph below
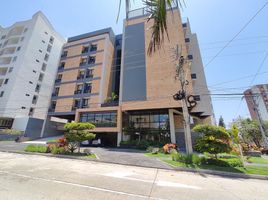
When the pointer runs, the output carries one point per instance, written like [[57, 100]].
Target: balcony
[[85, 50], [5, 60], [82, 64], [51, 110], [81, 77], [110, 104], [78, 92], [57, 80], [89, 76], [60, 68], [55, 94]]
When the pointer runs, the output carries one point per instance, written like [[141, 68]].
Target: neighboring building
[[129, 94], [257, 100], [29, 56]]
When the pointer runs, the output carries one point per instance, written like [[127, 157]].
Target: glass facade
[[100, 119], [147, 125]]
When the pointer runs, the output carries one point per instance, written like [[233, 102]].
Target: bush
[[143, 144], [36, 149], [214, 140], [231, 162], [186, 159], [58, 150]]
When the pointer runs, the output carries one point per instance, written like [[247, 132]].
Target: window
[[64, 54], [27, 95], [81, 75], [187, 39], [87, 88], [25, 30], [51, 40], [190, 57], [37, 60], [37, 88], [46, 32], [21, 39], [100, 119], [62, 65], [89, 73], [79, 89], [6, 81], [76, 103], [49, 47], [18, 48], [59, 77], [41, 77], [85, 103], [83, 61], [93, 47], [30, 82], [85, 49], [10, 69], [14, 59], [1, 93], [91, 60], [184, 25], [0, 45], [43, 41], [34, 71], [23, 108], [197, 98], [40, 51], [31, 112], [193, 76], [44, 67], [56, 92], [46, 57], [53, 105], [34, 101]]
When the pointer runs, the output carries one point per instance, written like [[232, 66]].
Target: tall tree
[[221, 122]]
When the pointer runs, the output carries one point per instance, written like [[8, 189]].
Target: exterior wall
[[102, 70], [160, 83], [33, 42], [199, 83]]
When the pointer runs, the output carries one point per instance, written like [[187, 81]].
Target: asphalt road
[[33, 177]]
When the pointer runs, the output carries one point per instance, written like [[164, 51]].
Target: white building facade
[[29, 58]]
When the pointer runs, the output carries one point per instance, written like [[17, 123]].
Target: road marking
[[80, 185], [125, 175]]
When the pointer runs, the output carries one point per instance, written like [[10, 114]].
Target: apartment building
[[29, 55], [131, 92], [257, 101]]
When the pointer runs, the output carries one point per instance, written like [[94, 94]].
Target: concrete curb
[[196, 171]]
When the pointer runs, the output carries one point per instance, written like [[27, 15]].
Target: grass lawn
[[257, 160], [245, 170]]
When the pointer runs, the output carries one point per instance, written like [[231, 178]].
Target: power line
[[236, 35]]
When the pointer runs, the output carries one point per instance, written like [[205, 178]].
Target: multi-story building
[[257, 101], [112, 82], [29, 56]]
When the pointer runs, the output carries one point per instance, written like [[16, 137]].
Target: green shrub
[[143, 144], [192, 159], [36, 149], [214, 139], [58, 150], [231, 162]]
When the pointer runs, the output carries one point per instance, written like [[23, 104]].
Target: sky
[[216, 22]]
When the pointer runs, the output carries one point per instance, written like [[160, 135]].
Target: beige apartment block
[[128, 94]]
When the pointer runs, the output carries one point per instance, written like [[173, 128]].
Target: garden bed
[[227, 159]]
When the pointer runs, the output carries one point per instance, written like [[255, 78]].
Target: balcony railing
[[80, 77], [89, 76], [78, 92], [61, 68], [83, 63], [110, 104], [57, 80]]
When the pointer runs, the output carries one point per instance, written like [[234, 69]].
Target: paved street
[[32, 177]]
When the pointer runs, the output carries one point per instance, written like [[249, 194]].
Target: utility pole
[[256, 108], [182, 96]]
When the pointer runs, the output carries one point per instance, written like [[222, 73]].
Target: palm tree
[[158, 13]]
